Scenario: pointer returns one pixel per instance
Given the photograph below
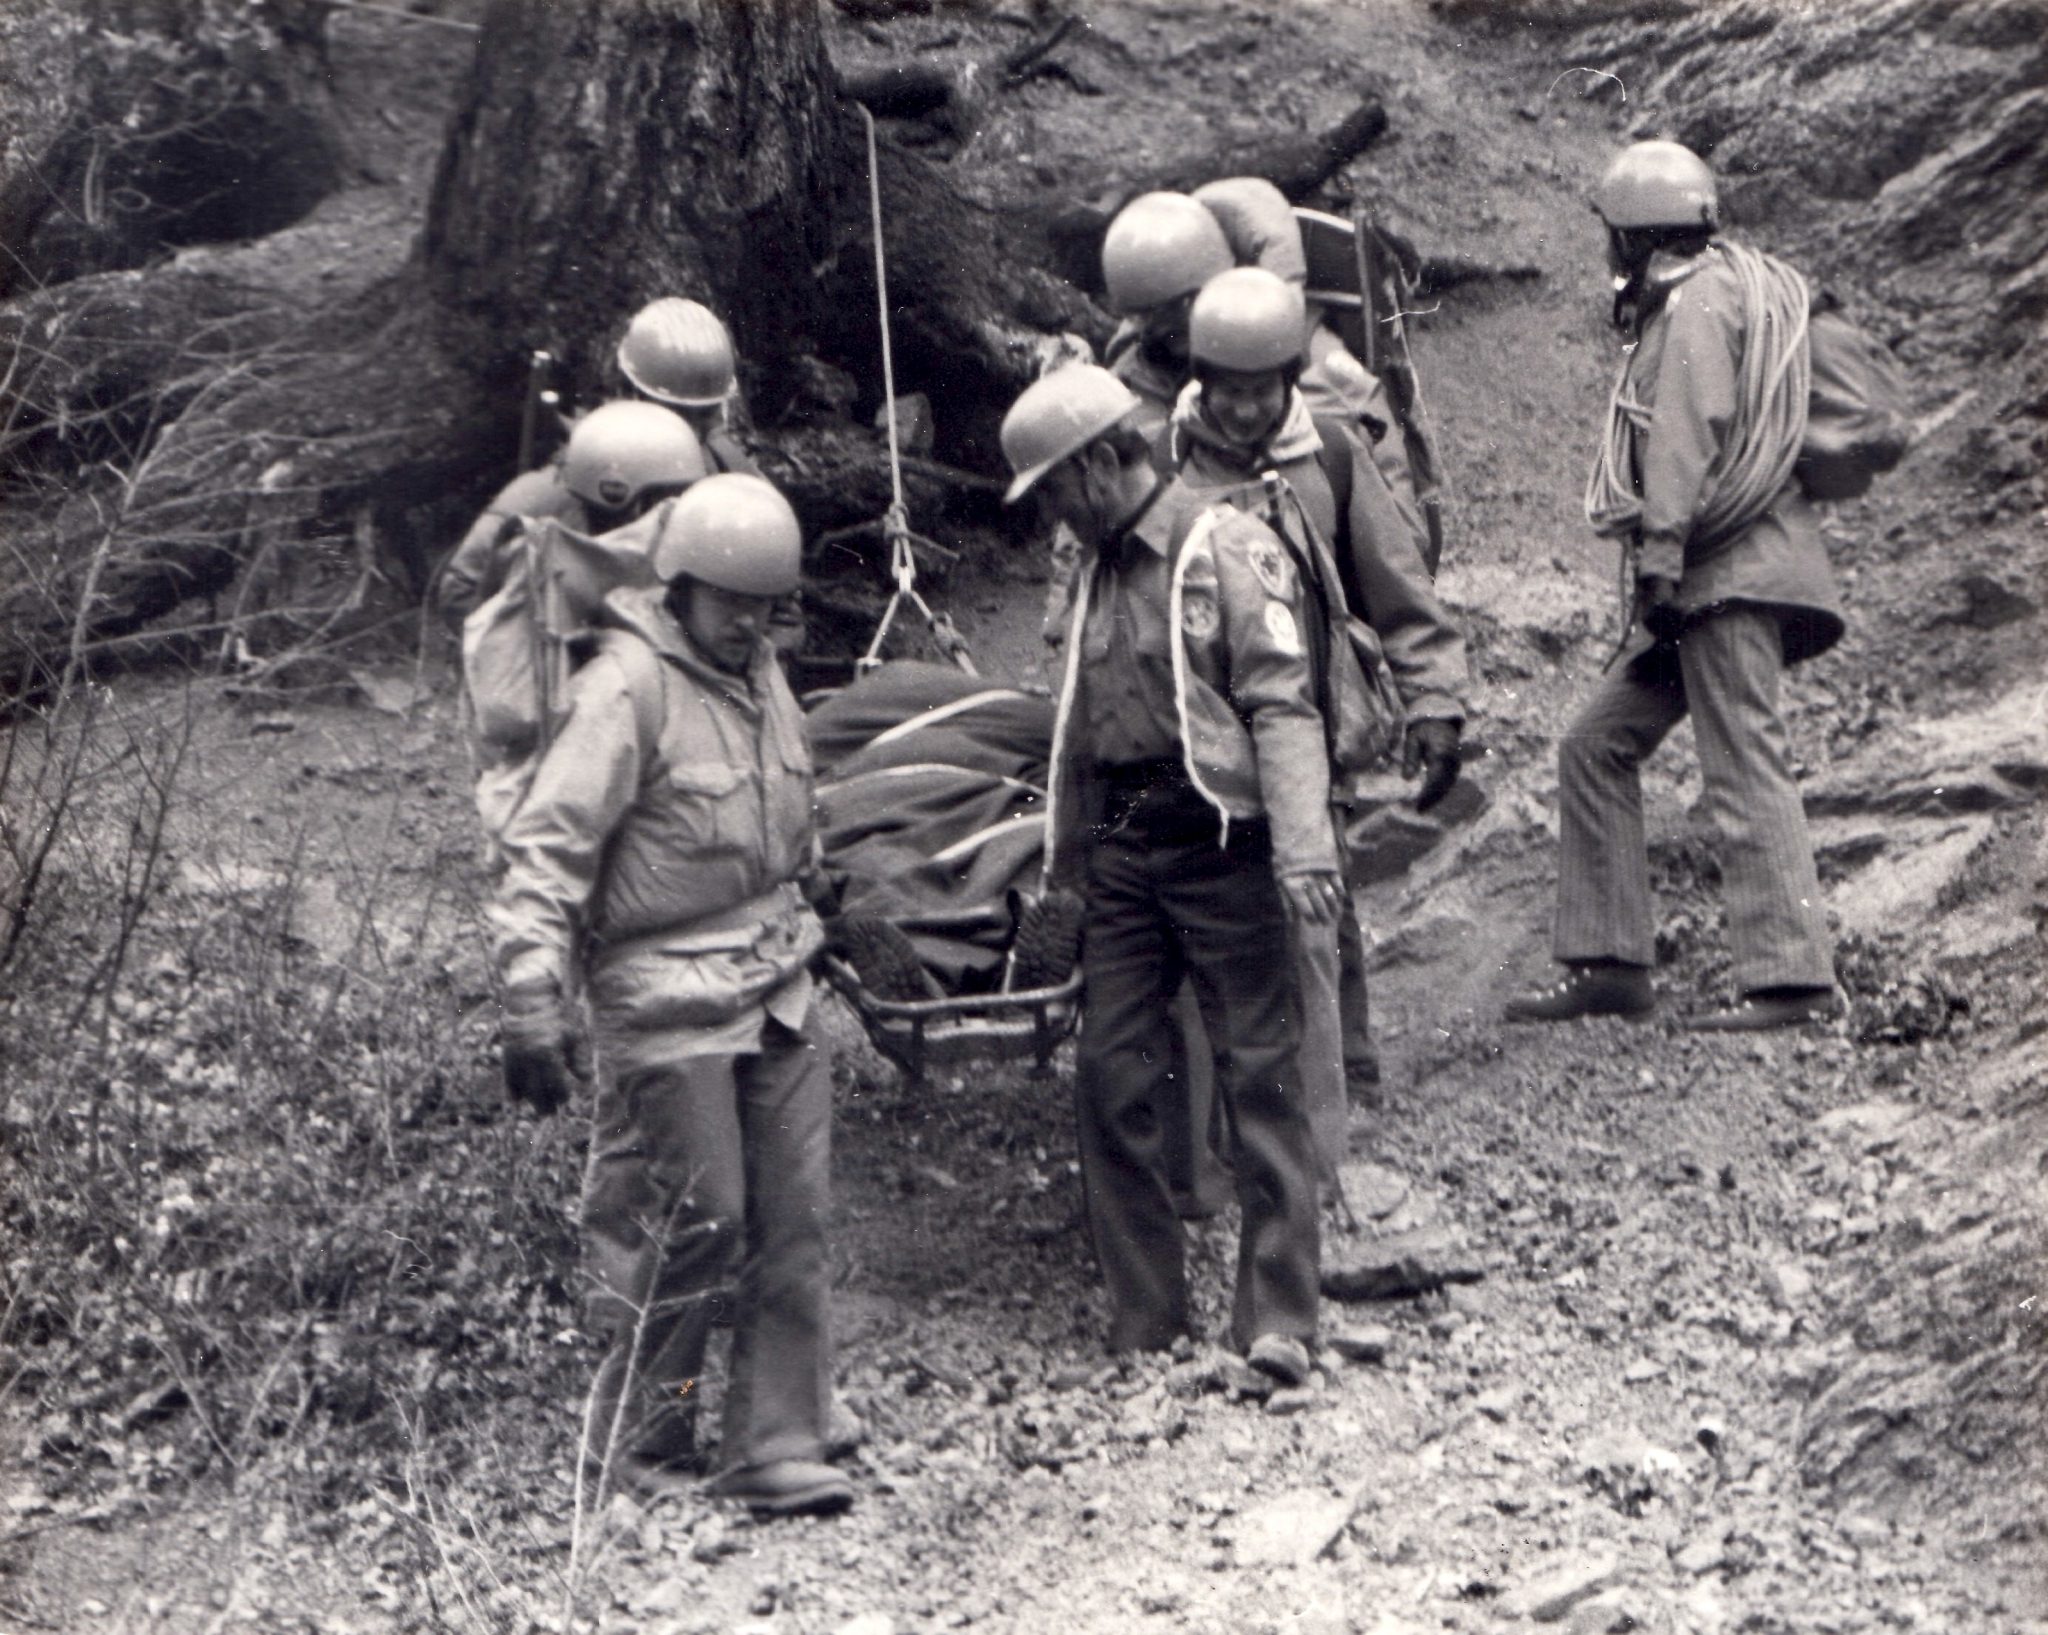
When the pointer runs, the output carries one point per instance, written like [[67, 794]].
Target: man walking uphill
[[658, 857], [1730, 585], [1190, 800]]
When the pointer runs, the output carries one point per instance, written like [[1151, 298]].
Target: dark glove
[[544, 1058], [1432, 750], [820, 887], [1657, 609]]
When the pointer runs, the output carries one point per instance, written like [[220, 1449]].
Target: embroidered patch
[[1271, 566], [1198, 616], [1280, 626]]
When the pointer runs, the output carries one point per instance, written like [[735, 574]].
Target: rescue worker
[[622, 460], [1242, 416], [659, 862], [1160, 250], [1715, 621], [1190, 804], [620, 457], [679, 353], [1163, 247]]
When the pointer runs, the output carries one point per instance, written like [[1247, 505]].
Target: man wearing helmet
[[1724, 597], [679, 353], [1163, 247], [1190, 801], [620, 458], [1156, 256], [655, 864], [1242, 416], [675, 354]]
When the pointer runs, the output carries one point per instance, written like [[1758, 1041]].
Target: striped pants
[[1725, 675]]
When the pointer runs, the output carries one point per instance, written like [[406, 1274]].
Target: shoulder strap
[[1335, 456]]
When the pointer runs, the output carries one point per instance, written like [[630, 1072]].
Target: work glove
[[544, 1058], [1431, 749], [1313, 899], [1657, 609], [821, 890]]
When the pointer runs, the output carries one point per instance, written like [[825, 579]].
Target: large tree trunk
[[605, 155]]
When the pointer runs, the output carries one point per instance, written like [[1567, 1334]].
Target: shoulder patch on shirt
[[1270, 564], [1198, 616], [1280, 626]]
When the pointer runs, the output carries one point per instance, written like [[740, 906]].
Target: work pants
[[700, 1168], [1330, 970], [1725, 674], [1164, 900], [1196, 1144]]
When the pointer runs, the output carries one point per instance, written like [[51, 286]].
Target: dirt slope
[[1698, 1336]]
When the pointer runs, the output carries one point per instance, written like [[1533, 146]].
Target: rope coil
[[1774, 381]]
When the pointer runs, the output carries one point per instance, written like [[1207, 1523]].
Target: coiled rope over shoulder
[[1756, 460]]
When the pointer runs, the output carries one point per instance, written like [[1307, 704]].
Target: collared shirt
[[1126, 644]]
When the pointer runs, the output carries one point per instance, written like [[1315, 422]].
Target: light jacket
[[662, 841], [1685, 374], [1379, 555], [1336, 385], [1154, 387], [1251, 736], [478, 564]]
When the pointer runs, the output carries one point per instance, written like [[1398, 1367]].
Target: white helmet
[[735, 531], [678, 352], [1161, 246], [618, 451], [1249, 320], [1658, 184], [1059, 415]]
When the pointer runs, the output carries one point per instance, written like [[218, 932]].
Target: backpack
[[520, 646], [1366, 275], [1858, 419], [1364, 719]]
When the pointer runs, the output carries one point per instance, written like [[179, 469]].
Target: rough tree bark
[[607, 155]]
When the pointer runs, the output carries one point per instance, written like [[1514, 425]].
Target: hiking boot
[[785, 1487], [1047, 945], [1586, 990], [1769, 1008], [884, 958], [1279, 1357]]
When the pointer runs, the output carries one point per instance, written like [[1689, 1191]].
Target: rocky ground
[[1636, 1330]]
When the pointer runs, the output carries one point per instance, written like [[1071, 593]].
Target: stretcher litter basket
[[917, 1034]]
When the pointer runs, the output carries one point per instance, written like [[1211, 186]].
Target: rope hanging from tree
[[896, 520]]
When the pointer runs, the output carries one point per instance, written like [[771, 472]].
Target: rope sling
[[1774, 381], [896, 520]]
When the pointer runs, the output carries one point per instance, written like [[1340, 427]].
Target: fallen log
[[1073, 230]]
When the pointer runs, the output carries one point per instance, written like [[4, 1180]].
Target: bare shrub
[[267, 1210]]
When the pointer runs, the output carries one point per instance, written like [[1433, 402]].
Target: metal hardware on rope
[[896, 520]]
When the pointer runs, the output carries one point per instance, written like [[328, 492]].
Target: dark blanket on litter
[[931, 800]]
